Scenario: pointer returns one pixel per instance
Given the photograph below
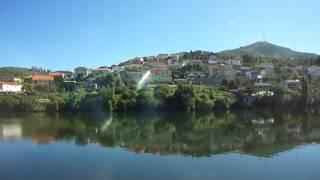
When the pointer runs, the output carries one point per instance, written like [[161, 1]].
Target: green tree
[[305, 91], [145, 99], [184, 97]]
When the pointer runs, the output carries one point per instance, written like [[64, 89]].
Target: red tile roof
[[37, 77], [159, 69], [8, 83], [56, 74], [133, 65]]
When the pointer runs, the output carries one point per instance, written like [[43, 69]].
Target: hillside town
[[206, 68]]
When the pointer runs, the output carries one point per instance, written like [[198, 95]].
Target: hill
[[8, 73], [265, 49]]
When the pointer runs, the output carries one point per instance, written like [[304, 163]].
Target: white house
[[221, 72], [213, 59], [7, 87], [135, 75], [102, 70], [82, 70], [117, 68], [196, 74], [314, 72], [162, 56], [17, 80], [252, 74], [10, 131], [161, 75], [234, 62], [155, 64], [175, 63], [261, 86], [267, 66], [294, 85], [195, 62]]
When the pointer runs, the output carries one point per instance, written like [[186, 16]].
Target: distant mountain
[[8, 73], [265, 49]]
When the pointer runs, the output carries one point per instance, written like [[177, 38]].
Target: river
[[174, 145]]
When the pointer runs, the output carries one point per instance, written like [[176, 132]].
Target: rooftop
[[314, 68], [7, 83], [37, 77]]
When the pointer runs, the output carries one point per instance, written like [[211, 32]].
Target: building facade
[[294, 85], [39, 79], [222, 72], [161, 75], [102, 71], [82, 70], [213, 59], [10, 87], [234, 62], [314, 72]]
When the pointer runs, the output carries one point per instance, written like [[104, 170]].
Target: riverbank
[[75, 102]]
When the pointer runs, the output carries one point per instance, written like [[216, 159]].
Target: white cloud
[[232, 23]]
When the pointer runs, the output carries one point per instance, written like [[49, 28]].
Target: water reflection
[[259, 133]]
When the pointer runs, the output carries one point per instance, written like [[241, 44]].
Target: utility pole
[[264, 37]]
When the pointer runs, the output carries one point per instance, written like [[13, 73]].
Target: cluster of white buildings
[[10, 87], [166, 68]]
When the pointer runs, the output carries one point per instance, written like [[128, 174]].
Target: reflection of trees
[[259, 133]]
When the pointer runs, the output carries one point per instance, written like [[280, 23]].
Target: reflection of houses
[[8, 87], [294, 85], [43, 139], [39, 79], [11, 131]]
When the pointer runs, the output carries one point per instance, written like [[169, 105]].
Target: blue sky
[[63, 34]]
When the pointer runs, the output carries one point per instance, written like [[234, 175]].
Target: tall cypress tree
[[305, 91]]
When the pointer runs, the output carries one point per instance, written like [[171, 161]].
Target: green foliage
[[184, 97], [8, 73], [268, 50], [145, 99], [161, 92]]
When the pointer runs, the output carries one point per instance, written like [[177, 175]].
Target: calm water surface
[[233, 145]]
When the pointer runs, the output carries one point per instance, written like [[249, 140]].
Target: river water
[[174, 145]]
